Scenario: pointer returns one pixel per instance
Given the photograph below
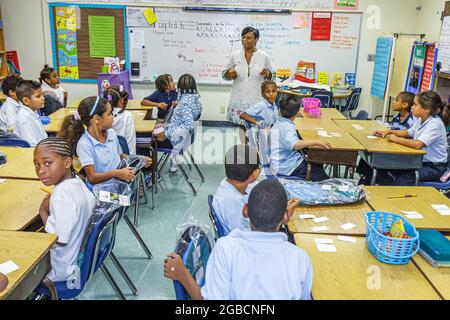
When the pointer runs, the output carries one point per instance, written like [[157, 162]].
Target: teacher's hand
[[232, 74], [266, 73]]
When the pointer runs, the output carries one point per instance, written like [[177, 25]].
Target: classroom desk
[[327, 113], [344, 148], [338, 215], [31, 252], [359, 126], [132, 105], [347, 274], [142, 126], [438, 277], [377, 197], [20, 203], [19, 165], [382, 154]]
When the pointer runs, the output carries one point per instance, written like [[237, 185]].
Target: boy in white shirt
[[11, 107], [50, 82], [28, 122], [252, 265]]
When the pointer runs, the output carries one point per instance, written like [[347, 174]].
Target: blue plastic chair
[[124, 145], [195, 254], [100, 242], [217, 224], [325, 97], [352, 101], [14, 141]]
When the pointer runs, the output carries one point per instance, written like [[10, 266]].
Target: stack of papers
[[299, 84], [325, 134]]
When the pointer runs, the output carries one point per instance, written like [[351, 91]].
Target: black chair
[[362, 115], [352, 101], [51, 105], [325, 97], [8, 139]]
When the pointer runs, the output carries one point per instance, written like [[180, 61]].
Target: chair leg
[[138, 237], [187, 162], [112, 282], [163, 160], [186, 177], [124, 274], [374, 177], [143, 186], [196, 167], [136, 205], [417, 177]]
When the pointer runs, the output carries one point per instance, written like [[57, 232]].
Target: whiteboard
[[201, 43]]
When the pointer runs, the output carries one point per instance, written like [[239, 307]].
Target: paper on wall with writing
[[381, 69], [444, 45]]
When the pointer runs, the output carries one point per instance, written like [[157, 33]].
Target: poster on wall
[[350, 5], [381, 71], [416, 72], [321, 26], [66, 33], [430, 67]]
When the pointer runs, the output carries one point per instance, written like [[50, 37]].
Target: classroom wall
[[27, 31], [429, 18]]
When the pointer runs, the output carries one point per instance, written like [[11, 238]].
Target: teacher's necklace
[[252, 51]]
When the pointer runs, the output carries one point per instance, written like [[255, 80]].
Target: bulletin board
[[72, 26]]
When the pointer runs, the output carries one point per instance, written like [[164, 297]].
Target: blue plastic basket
[[387, 249]]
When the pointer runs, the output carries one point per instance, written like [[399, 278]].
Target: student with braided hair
[[177, 132], [66, 212]]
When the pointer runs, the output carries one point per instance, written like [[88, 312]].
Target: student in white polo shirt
[[428, 134], [11, 107], [252, 265], [28, 122], [66, 212]]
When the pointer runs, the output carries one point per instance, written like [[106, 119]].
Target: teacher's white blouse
[[246, 90]]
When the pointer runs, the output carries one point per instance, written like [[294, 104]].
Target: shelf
[[443, 75]]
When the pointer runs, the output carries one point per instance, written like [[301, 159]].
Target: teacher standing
[[248, 68]]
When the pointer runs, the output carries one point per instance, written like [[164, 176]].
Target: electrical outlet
[[371, 58], [223, 110]]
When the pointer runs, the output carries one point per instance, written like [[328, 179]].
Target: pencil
[[46, 190], [403, 196]]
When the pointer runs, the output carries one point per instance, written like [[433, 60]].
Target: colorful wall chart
[[66, 32], [430, 67], [416, 69], [346, 5], [321, 26], [381, 70]]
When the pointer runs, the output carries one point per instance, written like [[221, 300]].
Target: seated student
[[284, 144], [123, 120], [28, 122], [11, 107], [252, 265], [66, 212], [265, 113], [429, 134], [97, 147], [49, 79], [177, 133], [242, 168], [3, 282], [404, 119], [164, 97]]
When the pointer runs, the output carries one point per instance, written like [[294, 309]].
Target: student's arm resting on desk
[[174, 269], [398, 133], [415, 144], [301, 144]]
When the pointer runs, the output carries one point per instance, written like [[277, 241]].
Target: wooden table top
[[25, 249], [336, 96], [2, 96], [377, 197], [338, 215], [381, 145], [327, 113], [19, 165], [439, 277], [353, 273], [132, 105], [345, 142], [359, 126], [142, 126], [21, 200], [312, 124]]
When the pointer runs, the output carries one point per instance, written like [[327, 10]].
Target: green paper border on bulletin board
[[102, 38]]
